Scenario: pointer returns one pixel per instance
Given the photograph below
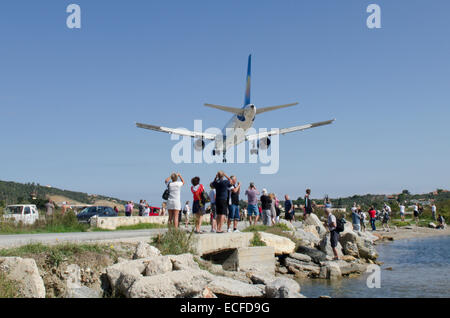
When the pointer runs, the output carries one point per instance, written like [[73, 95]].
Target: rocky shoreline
[[225, 265]]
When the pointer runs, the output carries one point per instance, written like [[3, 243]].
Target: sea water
[[420, 268]]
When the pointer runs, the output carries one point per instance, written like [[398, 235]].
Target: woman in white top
[[173, 203]]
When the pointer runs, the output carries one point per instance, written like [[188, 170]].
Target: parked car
[[101, 211], [26, 213], [154, 211]]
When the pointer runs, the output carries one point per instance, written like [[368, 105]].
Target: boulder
[[158, 265], [312, 219], [233, 288], [145, 250], [325, 246], [281, 244], [130, 270], [307, 237], [288, 224], [301, 257], [183, 261], [283, 287], [316, 255], [367, 250], [330, 270], [261, 277], [25, 273], [181, 283], [72, 276], [368, 236], [432, 225], [351, 249], [310, 269], [82, 292]]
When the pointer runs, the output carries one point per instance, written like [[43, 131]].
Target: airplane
[[238, 125]]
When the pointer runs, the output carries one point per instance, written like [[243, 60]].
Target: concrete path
[[14, 240]]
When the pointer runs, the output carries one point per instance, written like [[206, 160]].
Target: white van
[[27, 213]]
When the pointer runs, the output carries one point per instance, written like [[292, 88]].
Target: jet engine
[[199, 145], [264, 143]]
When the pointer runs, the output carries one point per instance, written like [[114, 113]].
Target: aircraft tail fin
[[247, 88]]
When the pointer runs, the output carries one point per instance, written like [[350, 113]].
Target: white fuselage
[[236, 129]]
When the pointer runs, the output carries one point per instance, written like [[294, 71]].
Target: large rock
[[367, 235], [349, 242], [432, 225], [183, 262], [232, 288], [82, 292], [122, 275], [312, 219], [325, 246], [288, 224], [347, 268], [316, 255], [367, 250], [301, 257], [158, 265], [182, 283], [281, 244], [308, 269], [330, 270], [283, 287], [25, 273], [209, 243], [72, 276], [259, 258], [145, 250], [307, 238], [351, 249]]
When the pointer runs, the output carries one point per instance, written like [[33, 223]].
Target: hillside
[[14, 192]]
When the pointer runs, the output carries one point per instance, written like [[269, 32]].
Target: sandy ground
[[412, 232]]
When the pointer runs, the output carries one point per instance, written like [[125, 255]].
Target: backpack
[[204, 197], [340, 225]]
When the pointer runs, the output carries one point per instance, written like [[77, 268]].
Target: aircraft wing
[[178, 131], [287, 130]]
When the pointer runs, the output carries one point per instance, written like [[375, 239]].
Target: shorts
[[233, 212], [289, 215], [252, 210], [127, 213], [197, 208], [221, 207], [416, 213], [334, 238]]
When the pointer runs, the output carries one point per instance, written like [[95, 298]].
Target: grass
[[174, 242], [8, 288], [56, 254], [256, 240], [279, 229], [264, 228], [142, 226], [58, 224]]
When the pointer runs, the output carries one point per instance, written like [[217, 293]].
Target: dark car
[[101, 211]]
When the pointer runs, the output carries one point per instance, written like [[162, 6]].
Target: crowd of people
[[221, 200]]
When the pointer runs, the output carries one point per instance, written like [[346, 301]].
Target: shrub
[[256, 240], [174, 242]]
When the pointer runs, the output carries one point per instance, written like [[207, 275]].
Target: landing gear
[[224, 159]]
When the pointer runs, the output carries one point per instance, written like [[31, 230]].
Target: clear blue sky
[[69, 98]]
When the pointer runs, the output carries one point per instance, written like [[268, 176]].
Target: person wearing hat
[[266, 203]]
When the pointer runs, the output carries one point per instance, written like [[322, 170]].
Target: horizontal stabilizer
[[237, 111], [269, 108]]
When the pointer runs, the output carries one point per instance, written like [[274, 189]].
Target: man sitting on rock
[[334, 235]]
